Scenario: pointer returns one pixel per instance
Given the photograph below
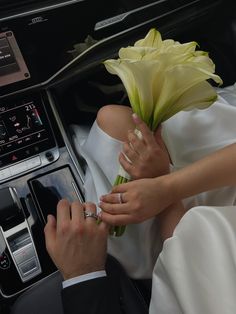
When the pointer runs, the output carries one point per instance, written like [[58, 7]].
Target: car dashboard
[[52, 78]]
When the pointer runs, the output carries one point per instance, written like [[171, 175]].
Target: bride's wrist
[[166, 187]]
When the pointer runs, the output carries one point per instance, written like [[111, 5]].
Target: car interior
[[52, 83]]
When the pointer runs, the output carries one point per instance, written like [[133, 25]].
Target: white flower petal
[[161, 75], [200, 96], [152, 39]]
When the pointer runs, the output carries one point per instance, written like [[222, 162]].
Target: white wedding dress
[[195, 273]]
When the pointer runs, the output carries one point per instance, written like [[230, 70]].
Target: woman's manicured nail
[[135, 116]]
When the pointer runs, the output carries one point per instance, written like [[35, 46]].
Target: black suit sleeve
[[114, 294], [95, 296]]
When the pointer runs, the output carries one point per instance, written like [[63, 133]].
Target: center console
[[36, 171], [37, 165]]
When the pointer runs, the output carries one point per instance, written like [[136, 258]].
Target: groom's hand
[[76, 244]]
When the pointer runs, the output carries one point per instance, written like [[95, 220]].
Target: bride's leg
[[115, 120]]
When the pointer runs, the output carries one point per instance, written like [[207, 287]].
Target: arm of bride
[[146, 198]]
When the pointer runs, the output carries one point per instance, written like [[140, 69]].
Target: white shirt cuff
[[85, 277]]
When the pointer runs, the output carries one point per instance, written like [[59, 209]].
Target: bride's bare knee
[[115, 120]]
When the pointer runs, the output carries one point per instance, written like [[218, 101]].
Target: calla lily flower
[[157, 73], [163, 77]]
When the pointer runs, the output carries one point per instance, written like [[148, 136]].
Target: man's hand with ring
[[75, 241]]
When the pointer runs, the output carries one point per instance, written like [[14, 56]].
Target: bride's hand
[[148, 156], [135, 201]]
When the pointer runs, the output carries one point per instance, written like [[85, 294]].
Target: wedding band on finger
[[88, 214], [120, 198]]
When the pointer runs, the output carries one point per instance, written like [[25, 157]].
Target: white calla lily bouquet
[[163, 77]]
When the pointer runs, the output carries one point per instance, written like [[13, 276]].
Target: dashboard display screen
[[24, 130], [12, 64]]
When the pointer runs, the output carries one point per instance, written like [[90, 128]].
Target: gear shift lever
[[10, 209], [17, 235]]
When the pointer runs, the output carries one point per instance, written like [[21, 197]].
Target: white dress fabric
[[196, 270], [139, 247], [197, 264]]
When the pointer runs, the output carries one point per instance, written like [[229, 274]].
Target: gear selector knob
[[10, 208], [16, 233]]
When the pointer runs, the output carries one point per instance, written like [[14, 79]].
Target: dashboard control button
[[5, 174], [33, 162], [28, 266], [24, 254], [49, 156], [4, 261], [18, 168]]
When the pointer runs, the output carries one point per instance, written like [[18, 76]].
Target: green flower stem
[[119, 180], [117, 231]]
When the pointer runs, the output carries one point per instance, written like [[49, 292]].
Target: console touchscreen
[[24, 130], [12, 65]]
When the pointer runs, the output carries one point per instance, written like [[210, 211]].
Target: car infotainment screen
[[12, 65], [24, 130]]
